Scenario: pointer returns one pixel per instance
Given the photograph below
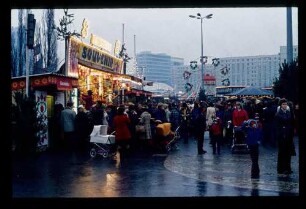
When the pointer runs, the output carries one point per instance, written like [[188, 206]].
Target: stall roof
[[250, 91], [60, 81]]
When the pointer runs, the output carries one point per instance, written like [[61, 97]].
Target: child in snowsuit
[[216, 135], [253, 138]]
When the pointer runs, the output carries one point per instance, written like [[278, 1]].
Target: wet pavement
[[180, 173]]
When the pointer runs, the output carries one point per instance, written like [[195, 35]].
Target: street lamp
[[202, 57]]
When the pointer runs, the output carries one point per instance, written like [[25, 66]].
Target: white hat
[[81, 106]]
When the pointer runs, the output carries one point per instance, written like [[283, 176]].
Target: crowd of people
[[275, 120]]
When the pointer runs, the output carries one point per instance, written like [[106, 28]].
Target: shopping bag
[[140, 128]]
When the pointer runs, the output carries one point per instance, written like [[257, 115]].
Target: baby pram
[[165, 138], [239, 144], [102, 143], [172, 144]]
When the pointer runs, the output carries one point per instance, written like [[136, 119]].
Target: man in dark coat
[[284, 131], [200, 127], [83, 128]]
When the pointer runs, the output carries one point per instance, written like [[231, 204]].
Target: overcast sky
[[230, 32]]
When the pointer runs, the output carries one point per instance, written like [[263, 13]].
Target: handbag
[[140, 128]]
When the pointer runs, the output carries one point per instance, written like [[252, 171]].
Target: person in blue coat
[[253, 138]]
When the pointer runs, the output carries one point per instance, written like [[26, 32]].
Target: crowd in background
[[278, 124]]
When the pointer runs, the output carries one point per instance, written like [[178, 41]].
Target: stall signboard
[[62, 83], [101, 43], [99, 58]]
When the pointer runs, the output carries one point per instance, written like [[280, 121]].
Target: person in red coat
[[216, 135], [239, 116], [88, 100], [123, 135]]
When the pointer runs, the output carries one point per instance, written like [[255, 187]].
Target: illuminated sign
[[95, 56], [101, 43], [84, 52]]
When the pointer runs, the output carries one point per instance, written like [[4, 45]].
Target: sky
[[230, 32]]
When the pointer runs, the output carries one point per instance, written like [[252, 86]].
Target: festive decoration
[[215, 61], [186, 74], [188, 87], [84, 30], [224, 70], [193, 65], [225, 82]]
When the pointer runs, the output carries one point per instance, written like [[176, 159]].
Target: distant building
[[176, 63], [180, 82], [259, 71], [283, 53], [157, 67], [159, 89]]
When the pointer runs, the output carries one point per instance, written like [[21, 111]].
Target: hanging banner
[[73, 58], [42, 119]]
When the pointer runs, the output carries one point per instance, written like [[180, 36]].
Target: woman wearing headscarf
[[284, 136]]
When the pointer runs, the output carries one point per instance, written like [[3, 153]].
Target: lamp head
[[209, 16], [198, 14]]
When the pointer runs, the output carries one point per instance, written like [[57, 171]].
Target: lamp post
[[199, 16]]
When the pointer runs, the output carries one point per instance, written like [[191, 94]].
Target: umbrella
[[250, 91]]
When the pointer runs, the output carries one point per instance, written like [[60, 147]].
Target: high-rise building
[[157, 67], [176, 62], [259, 71]]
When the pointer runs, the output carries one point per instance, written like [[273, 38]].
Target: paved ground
[[233, 170], [180, 173]]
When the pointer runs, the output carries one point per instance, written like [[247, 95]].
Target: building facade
[[156, 67], [283, 53]]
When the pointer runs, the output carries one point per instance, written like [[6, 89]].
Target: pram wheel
[[105, 154], [168, 148], [93, 152]]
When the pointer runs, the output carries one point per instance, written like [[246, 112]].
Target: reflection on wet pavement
[[233, 169], [180, 173]]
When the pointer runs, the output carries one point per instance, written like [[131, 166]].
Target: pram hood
[[99, 135], [99, 130]]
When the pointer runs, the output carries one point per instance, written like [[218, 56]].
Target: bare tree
[[44, 50], [63, 32], [51, 40], [14, 53]]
